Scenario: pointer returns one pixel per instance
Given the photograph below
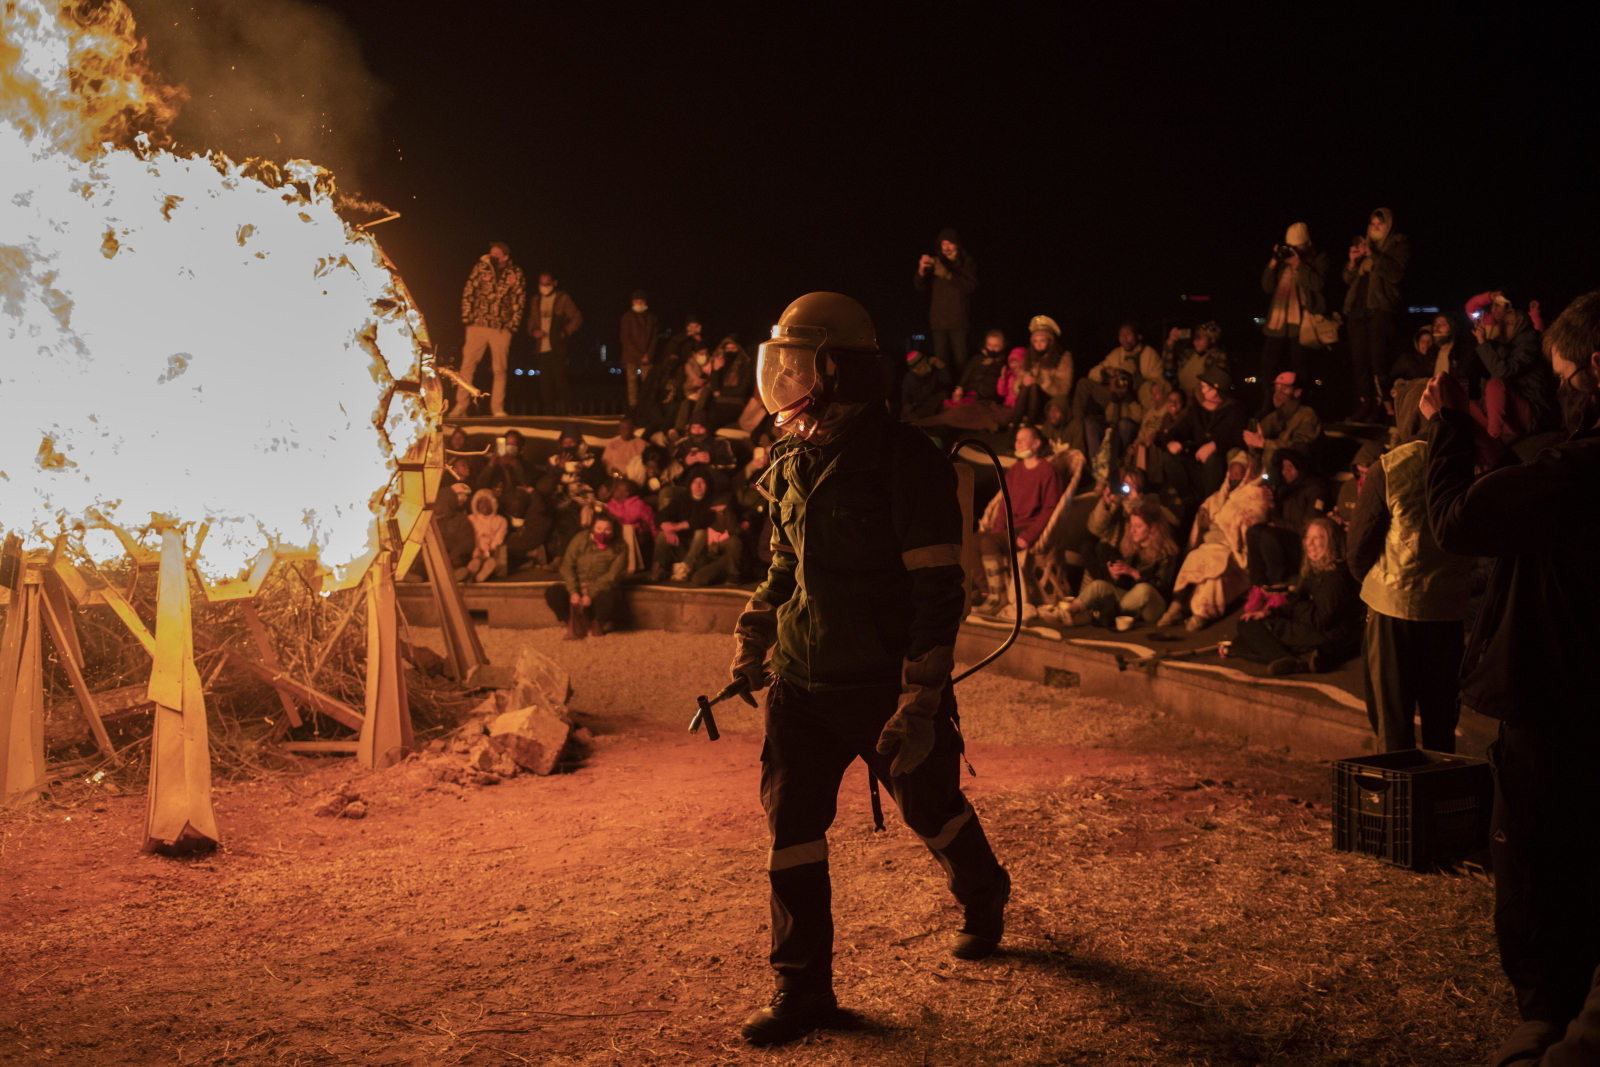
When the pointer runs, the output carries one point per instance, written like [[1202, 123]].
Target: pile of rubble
[[522, 730]]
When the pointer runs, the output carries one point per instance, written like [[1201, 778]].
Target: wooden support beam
[[332, 707], [258, 630], [179, 816], [64, 635], [22, 764], [386, 736], [312, 748], [463, 650]]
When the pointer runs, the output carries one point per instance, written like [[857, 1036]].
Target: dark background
[[1099, 162]]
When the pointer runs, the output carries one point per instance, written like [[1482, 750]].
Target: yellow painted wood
[[179, 816], [386, 736]]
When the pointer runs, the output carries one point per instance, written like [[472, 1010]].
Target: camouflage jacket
[[494, 298]]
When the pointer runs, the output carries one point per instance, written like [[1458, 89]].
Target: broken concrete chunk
[[356, 809], [532, 736]]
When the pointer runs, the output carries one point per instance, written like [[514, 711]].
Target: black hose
[[1016, 569]]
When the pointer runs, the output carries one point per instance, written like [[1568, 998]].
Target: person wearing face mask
[[1035, 486], [586, 597], [552, 319], [1377, 263], [1529, 663], [640, 337], [678, 525], [859, 611], [732, 380]]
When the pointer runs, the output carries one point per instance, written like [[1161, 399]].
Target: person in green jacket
[[586, 597], [859, 610]]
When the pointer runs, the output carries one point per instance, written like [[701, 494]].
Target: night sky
[[1099, 161]]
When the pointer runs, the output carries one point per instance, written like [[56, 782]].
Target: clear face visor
[[786, 367]]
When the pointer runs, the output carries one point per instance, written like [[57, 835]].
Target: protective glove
[[910, 729], [754, 635]]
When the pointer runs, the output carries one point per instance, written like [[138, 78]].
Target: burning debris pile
[[222, 387]]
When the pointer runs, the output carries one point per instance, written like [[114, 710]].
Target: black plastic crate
[[1415, 809]]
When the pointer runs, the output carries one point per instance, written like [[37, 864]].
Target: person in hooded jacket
[[489, 534], [1377, 264], [949, 277], [731, 382], [585, 598], [1529, 663], [1293, 280]]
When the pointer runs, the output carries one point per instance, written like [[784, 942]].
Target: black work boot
[[791, 1014], [985, 923]]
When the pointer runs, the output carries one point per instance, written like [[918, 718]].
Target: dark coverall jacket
[[866, 568], [865, 572]]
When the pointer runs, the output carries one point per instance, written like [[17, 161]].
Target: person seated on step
[[585, 598], [489, 537], [1134, 578], [1035, 487], [677, 524], [629, 510], [1286, 422], [1215, 572], [717, 552], [1274, 546], [1319, 626], [712, 454]]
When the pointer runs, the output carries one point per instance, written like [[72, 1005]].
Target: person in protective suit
[[859, 610]]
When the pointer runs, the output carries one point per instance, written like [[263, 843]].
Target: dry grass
[[1176, 904]]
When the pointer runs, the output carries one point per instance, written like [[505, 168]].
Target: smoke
[[279, 79]]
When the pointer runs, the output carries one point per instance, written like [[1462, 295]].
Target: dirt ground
[[1176, 903]]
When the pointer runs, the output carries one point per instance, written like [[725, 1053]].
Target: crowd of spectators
[[1151, 491]]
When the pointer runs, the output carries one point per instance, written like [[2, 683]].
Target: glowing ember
[[179, 336]]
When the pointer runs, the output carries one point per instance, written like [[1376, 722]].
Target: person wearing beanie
[[949, 277], [640, 337], [1199, 443], [491, 310], [1293, 279], [1376, 266]]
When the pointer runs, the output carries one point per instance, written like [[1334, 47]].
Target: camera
[[1284, 252]]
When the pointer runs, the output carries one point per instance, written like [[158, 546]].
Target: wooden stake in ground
[[180, 818], [468, 663], [386, 736], [22, 766]]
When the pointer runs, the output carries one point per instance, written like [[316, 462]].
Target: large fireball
[[179, 336]]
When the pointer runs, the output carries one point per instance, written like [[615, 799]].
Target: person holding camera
[[1293, 279], [1377, 263], [949, 277]]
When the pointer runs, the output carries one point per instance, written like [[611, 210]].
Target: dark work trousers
[[1413, 669], [811, 739], [1192, 480], [602, 606], [1371, 337], [1545, 842], [1281, 354], [550, 384], [1274, 553], [950, 347]]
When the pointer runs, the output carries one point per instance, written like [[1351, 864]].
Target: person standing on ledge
[[859, 610], [491, 310], [949, 278], [552, 318]]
